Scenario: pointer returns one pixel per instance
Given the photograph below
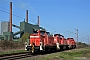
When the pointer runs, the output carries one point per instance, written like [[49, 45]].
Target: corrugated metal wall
[[4, 27], [27, 27]]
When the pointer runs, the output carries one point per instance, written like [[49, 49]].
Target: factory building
[[4, 27], [6, 32]]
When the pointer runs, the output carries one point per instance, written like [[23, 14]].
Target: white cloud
[[23, 5]]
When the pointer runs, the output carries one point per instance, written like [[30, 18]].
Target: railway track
[[15, 56]]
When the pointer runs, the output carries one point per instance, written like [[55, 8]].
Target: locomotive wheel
[[28, 49]]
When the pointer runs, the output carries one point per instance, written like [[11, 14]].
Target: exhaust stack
[[27, 16], [10, 30], [38, 20]]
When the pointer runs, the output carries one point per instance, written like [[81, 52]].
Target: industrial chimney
[[10, 29], [27, 16], [38, 20], [10, 17]]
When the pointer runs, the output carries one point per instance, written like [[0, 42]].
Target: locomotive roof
[[56, 34], [69, 38], [62, 35]]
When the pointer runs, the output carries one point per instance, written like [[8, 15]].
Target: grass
[[11, 52], [77, 54]]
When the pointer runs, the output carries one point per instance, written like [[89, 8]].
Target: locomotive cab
[[48, 33], [57, 40], [39, 40], [71, 43], [36, 41]]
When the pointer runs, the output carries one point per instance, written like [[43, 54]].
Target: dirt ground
[[8, 50]]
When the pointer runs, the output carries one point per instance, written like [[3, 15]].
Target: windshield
[[57, 34], [35, 32], [48, 33], [42, 32]]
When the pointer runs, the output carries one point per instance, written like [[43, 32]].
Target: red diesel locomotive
[[42, 41]]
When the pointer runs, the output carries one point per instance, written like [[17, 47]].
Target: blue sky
[[57, 16]]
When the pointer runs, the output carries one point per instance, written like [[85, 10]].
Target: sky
[[56, 16], [0, 27]]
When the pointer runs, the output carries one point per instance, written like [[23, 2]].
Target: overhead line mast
[[77, 36]]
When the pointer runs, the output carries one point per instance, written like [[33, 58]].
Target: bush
[[5, 44], [24, 37], [82, 45]]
